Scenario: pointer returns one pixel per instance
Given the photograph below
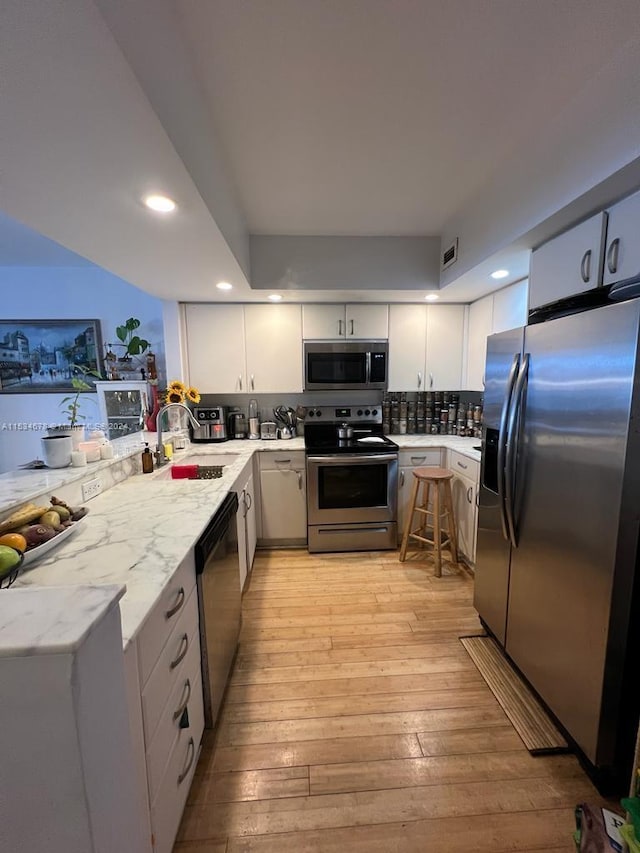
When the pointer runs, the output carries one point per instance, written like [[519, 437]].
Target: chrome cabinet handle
[[184, 644], [469, 490], [299, 473], [253, 384], [179, 602], [282, 461], [402, 478], [431, 380], [245, 508], [612, 255], [240, 381], [418, 459], [191, 748], [585, 266], [419, 379], [249, 501], [339, 328], [352, 330], [461, 465], [181, 708]]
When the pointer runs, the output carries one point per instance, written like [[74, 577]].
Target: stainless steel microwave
[[345, 365]]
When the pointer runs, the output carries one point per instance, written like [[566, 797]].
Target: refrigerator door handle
[[512, 437], [502, 441]]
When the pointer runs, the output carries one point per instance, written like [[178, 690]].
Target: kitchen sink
[[208, 461]]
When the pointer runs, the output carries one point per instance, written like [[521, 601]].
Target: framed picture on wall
[[43, 356]]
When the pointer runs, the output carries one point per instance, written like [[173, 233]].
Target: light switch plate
[[91, 488]]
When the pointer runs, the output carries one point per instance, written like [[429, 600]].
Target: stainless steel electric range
[[352, 480]]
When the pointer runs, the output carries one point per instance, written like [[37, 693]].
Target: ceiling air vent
[[450, 254]]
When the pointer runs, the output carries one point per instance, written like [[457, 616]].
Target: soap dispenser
[[147, 460]]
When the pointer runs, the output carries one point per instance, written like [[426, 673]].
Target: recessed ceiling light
[[500, 274], [432, 297], [224, 285], [275, 297], [160, 203]]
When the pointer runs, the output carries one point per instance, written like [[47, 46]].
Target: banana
[[27, 513]]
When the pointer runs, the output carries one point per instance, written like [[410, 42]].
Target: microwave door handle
[[367, 368]]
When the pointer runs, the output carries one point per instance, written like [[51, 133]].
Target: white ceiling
[[302, 117], [371, 117]]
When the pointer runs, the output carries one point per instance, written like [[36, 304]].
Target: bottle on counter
[[147, 460]]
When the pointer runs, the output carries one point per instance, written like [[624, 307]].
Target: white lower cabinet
[[283, 498], [464, 489], [246, 526], [171, 703], [410, 460]]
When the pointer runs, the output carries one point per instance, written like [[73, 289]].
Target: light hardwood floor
[[355, 721]]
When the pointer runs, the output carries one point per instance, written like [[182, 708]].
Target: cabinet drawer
[[464, 465], [187, 691], [281, 460], [159, 625], [168, 806], [420, 457], [170, 666]]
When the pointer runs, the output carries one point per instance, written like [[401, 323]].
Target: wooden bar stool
[[436, 484]]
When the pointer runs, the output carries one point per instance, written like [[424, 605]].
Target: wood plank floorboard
[[355, 722]]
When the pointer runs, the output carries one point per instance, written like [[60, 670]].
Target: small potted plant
[[71, 407], [133, 344]]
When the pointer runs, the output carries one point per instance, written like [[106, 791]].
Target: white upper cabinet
[[480, 327], [568, 264], [355, 322], [215, 347], [425, 347], [407, 347], [510, 307], [445, 340], [274, 348], [622, 256]]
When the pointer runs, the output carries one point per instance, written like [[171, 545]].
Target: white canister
[[106, 451], [78, 458], [57, 450]]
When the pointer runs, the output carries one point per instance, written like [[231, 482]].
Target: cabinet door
[[445, 338], [322, 322], [480, 324], [274, 348], [622, 257], [568, 264], [283, 502], [367, 321], [510, 307], [215, 348], [252, 531], [464, 507], [407, 347]]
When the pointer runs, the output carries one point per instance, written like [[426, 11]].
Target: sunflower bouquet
[[178, 392]]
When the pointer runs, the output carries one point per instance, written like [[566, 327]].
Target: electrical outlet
[[91, 488]]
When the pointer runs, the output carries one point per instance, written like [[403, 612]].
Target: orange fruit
[[14, 540]]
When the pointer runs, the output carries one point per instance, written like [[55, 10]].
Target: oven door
[[352, 489]]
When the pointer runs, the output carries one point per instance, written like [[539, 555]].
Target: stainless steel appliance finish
[[268, 430], [559, 517], [212, 424], [346, 366], [352, 483], [219, 603]]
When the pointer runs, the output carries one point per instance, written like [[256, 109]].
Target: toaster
[[268, 430]]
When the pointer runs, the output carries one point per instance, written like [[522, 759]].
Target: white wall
[[43, 293]]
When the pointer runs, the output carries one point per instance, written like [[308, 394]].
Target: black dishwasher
[[219, 603]]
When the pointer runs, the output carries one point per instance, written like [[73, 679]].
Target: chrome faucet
[[161, 459]]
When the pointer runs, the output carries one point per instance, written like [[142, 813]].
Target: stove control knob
[[318, 412], [367, 412], [360, 412], [374, 412]]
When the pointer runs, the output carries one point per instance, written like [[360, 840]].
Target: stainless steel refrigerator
[[558, 522]]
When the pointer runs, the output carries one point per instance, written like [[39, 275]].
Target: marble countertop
[[138, 532], [52, 621]]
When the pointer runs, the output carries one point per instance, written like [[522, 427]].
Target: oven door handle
[[360, 459]]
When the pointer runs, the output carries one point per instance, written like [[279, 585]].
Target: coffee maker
[[212, 424], [236, 425]]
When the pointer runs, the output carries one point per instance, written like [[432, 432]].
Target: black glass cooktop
[[323, 438]]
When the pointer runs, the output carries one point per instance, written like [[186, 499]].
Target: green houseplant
[[133, 343], [71, 404]]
